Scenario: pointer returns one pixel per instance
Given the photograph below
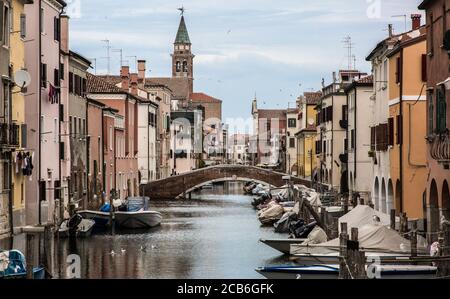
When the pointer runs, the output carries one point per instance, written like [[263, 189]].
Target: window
[[4, 24], [70, 125], [185, 67], [42, 124], [424, 68], [43, 75], [71, 82], [398, 73], [441, 111], [61, 71], [57, 28], [430, 103], [431, 35], [292, 142], [23, 25], [399, 129], [292, 123], [56, 77], [75, 127], [391, 131], [178, 67]]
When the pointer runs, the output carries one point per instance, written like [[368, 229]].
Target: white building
[[293, 126], [360, 175]]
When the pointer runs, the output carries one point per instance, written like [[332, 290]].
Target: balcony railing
[[440, 148], [10, 135]]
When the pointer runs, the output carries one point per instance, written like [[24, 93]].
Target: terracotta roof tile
[[200, 97], [271, 113], [312, 98], [97, 84]]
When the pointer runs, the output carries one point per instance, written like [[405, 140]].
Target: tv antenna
[[108, 54], [349, 46], [402, 16], [121, 55]]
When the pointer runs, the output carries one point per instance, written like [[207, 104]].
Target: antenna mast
[[349, 46], [108, 54]]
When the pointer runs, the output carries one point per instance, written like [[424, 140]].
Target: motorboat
[[134, 213], [282, 245], [83, 228], [332, 272], [13, 266]]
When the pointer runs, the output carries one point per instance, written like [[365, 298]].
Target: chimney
[[134, 84], [141, 73], [65, 33], [125, 75], [416, 21], [390, 30]]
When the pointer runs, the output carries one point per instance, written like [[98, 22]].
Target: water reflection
[[214, 235]]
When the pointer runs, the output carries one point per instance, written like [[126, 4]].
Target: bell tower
[[182, 57]]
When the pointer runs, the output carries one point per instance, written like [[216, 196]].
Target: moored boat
[[282, 245], [140, 219], [332, 272]]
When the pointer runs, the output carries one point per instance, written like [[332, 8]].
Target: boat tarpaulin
[[372, 237], [362, 215]]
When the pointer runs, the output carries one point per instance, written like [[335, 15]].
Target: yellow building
[[306, 136], [17, 62], [407, 124]]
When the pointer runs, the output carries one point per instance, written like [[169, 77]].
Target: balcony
[[9, 135], [344, 124], [440, 148]]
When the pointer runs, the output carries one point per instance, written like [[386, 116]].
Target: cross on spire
[[182, 10]]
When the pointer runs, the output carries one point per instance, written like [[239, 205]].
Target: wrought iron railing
[[440, 147]]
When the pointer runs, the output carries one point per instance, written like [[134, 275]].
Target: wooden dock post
[[414, 239], [352, 261], [444, 250], [343, 237], [30, 257], [393, 219], [403, 223]]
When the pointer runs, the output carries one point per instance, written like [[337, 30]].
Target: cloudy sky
[[276, 49]]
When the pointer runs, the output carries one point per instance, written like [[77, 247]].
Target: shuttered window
[[23, 25], [391, 131], [71, 82], [430, 116], [398, 74], [43, 75], [424, 68], [372, 138], [441, 111]]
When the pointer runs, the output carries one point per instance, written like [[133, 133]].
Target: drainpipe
[[39, 113], [61, 196], [401, 141]]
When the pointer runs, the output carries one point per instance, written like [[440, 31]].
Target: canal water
[[213, 236]]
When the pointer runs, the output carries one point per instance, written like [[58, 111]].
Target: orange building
[[406, 127]]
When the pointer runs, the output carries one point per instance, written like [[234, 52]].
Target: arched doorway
[[390, 198], [376, 195], [445, 201], [383, 196], [398, 196], [434, 211]]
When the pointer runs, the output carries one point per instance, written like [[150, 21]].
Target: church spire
[[182, 34]]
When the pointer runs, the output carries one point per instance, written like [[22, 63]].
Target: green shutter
[[430, 112], [441, 111]]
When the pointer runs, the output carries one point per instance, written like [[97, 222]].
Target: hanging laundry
[[52, 94]]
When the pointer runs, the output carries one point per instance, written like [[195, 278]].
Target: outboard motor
[[73, 224]]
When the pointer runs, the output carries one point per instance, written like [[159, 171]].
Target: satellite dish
[[22, 78], [311, 121]]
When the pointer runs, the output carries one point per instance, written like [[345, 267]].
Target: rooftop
[[200, 97], [182, 34]]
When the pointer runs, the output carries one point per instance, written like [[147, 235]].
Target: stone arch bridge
[[180, 185]]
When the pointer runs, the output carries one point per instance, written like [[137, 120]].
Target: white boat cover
[[372, 237], [317, 236], [362, 215], [272, 213]]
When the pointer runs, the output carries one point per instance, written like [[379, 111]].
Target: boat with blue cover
[[13, 266]]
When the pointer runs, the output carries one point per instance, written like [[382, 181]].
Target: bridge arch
[[172, 187]]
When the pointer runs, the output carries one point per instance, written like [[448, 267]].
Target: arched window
[[383, 197], [178, 67], [376, 194], [185, 66], [446, 201], [433, 211], [390, 199]]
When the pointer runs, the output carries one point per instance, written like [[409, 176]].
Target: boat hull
[[282, 245], [332, 272], [101, 219], [136, 220]]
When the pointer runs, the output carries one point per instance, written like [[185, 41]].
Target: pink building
[[125, 130], [42, 108]]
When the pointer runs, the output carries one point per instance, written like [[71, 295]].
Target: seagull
[[153, 247], [113, 253], [123, 251], [143, 248]]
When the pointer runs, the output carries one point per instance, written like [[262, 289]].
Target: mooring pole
[[30, 255]]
